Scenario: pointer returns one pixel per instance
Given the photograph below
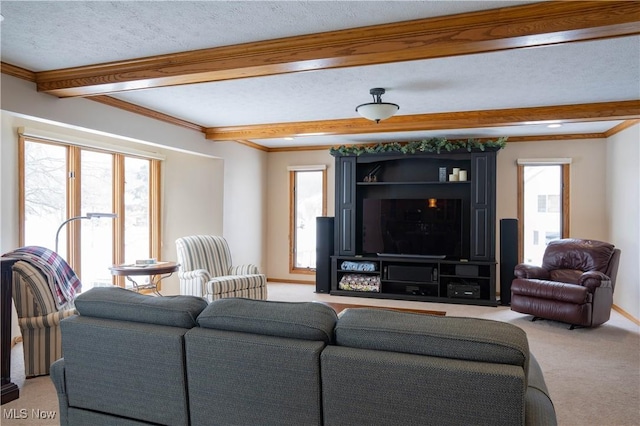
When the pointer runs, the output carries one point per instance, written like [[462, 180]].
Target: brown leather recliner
[[574, 284]]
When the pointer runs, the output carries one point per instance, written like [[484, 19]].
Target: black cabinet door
[[483, 198], [345, 232]]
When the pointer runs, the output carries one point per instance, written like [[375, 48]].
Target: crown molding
[[537, 24]]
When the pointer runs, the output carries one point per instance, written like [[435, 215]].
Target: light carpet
[[593, 375]]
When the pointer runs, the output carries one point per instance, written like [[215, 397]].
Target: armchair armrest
[[594, 279], [248, 269], [201, 274], [524, 270], [50, 320]]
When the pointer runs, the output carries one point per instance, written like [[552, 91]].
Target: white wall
[[278, 207], [192, 198], [244, 203], [588, 176], [192, 203], [623, 216]]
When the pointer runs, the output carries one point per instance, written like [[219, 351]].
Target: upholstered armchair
[[206, 270], [574, 284], [44, 288]]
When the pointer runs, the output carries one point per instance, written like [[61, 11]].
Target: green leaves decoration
[[436, 145]]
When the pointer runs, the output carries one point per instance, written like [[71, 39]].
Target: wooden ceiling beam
[[604, 111], [538, 24]]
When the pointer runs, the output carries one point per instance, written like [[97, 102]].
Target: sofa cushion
[[448, 337], [120, 304], [306, 320], [128, 369]]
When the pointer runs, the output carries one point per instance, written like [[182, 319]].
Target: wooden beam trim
[[535, 138], [484, 31], [620, 127], [136, 109], [567, 137], [438, 121], [253, 145], [15, 71]]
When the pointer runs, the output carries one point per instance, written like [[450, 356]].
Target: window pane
[[542, 203], [308, 206], [44, 193], [541, 183], [96, 234], [136, 208]]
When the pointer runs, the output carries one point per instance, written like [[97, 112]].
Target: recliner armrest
[[524, 270], [594, 279]]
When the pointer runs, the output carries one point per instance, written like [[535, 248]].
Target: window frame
[[73, 209], [565, 205], [292, 212]]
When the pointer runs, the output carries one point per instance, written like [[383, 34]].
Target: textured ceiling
[[43, 36]]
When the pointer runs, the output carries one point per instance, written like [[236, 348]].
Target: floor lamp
[[88, 216]]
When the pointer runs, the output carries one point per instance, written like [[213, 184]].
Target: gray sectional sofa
[[131, 359]]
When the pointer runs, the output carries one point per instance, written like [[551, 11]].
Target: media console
[[416, 279], [396, 212]]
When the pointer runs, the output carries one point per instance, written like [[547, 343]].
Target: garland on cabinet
[[426, 145]]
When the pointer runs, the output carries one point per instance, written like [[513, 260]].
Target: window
[[62, 180], [543, 205], [308, 195]]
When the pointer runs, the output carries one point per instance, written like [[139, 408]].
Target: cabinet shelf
[[466, 182], [410, 282]]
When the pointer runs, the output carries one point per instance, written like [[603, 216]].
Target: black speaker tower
[[324, 249], [508, 257]]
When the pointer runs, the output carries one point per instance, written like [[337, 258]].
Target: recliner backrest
[[578, 254], [612, 270], [208, 252]]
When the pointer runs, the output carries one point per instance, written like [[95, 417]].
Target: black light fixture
[[377, 110]]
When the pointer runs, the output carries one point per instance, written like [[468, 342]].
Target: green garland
[[426, 145]]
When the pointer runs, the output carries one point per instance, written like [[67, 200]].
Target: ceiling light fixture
[[377, 110]]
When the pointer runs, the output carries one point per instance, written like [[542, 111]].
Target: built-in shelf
[[385, 176]]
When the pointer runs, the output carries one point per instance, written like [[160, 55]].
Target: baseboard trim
[[285, 281], [626, 314]]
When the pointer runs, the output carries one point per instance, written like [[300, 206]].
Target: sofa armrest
[[248, 269], [58, 378], [539, 409], [594, 279], [524, 270]]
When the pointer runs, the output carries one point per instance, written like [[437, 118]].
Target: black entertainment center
[[406, 229]]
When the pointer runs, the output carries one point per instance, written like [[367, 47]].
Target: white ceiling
[[50, 35]]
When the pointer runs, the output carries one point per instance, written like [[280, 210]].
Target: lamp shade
[[377, 110]]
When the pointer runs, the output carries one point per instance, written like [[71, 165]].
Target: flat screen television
[[430, 227]]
